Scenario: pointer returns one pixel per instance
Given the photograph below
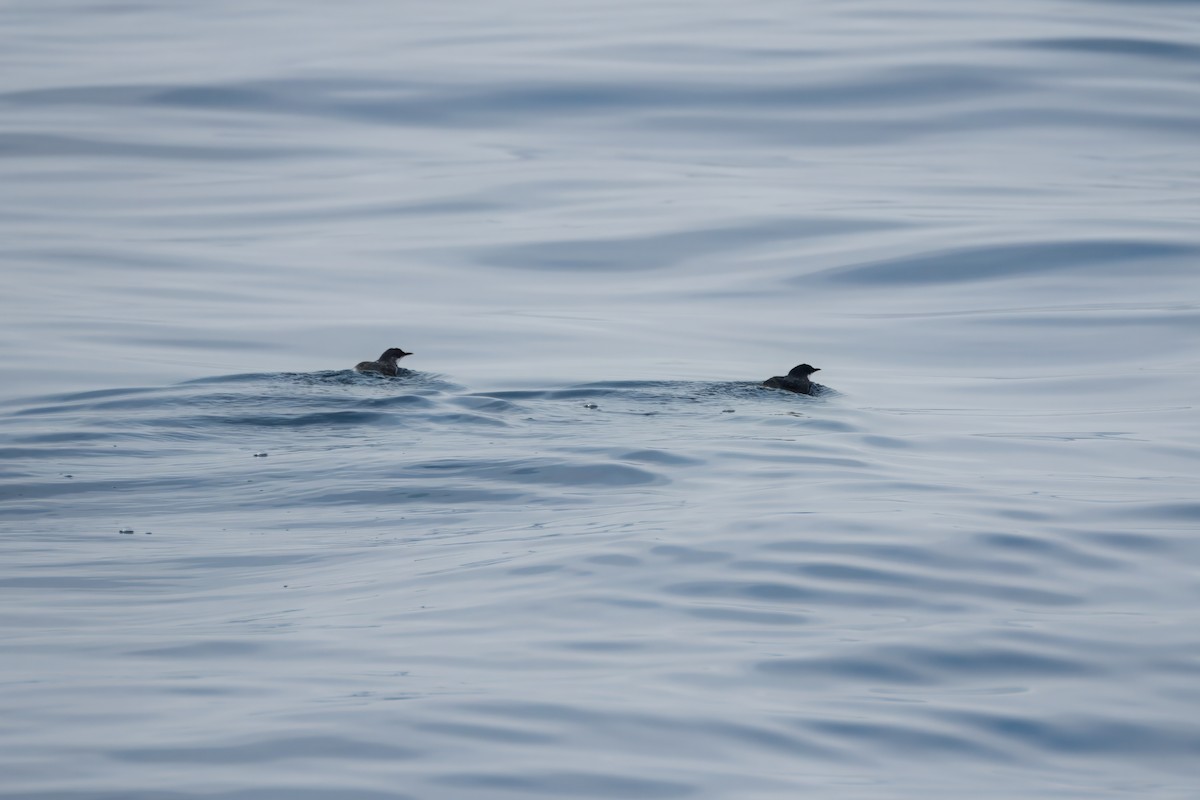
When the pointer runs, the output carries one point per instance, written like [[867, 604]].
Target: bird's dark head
[[393, 353], [802, 371]]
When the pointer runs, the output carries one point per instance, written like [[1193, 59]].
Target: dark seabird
[[386, 365], [795, 381]]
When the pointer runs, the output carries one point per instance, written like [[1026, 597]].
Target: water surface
[[577, 551]]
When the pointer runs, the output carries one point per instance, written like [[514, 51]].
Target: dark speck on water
[[796, 381], [385, 364]]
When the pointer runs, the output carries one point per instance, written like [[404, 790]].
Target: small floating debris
[[727, 411], [260, 455], [125, 530]]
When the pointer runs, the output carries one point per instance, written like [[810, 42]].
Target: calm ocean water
[[577, 551]]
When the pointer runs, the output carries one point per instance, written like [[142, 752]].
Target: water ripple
[[1004, 262]]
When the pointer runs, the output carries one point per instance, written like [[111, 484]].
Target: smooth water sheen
[[576, 551]]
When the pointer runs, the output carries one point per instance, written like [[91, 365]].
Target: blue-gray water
[[577, 552]]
